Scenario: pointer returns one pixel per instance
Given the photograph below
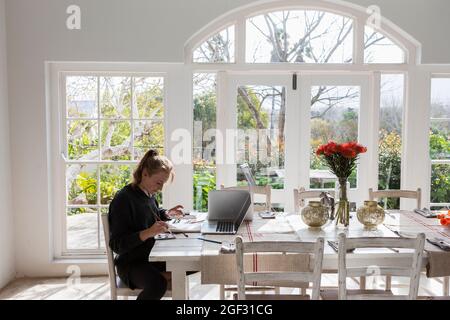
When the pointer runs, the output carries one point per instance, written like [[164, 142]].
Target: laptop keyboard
[[224, 226]]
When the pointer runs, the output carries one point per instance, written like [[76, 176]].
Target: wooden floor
[[97, 288]]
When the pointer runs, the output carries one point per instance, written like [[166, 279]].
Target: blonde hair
[[153, 163]]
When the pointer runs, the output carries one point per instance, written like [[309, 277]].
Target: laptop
[[226, 211]]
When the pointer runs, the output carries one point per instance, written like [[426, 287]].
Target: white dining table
[[184, 254]]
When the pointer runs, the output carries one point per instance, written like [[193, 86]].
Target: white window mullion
[[222, 106], [358, 40], [240, 40], [415, 173], [304, 131], [292, 154], [375, 93], [99, 160], [133, 108], [65, 156]]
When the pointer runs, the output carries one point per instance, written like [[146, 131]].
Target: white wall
[[6, 212], [118, 30]]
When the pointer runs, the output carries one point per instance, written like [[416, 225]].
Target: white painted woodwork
[[267, 278], [301, 194], [411, 194], [412, 271], [265, 191]]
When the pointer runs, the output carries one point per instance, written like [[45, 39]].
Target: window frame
[[433, 162], [56, 139], [65, 251], [410, 46]]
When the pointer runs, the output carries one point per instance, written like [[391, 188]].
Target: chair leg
[[222, 292], [446, 288], [188, 289], [303, 291], [388, 283], [277, 290], [113, 295], [362, 283]]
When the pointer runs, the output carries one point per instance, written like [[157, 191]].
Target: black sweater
[[130, 212]]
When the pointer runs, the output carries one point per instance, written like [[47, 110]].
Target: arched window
[[217, 49], [312, 36], [304, 72], [299, 36], [378, 48]]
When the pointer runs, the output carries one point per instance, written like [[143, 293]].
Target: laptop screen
[[227, 205], [243, 212]]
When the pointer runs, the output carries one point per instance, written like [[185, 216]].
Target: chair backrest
[[301, 194], [109, 254], [259, 190], [394, 268], [314, 276], [411, 194]]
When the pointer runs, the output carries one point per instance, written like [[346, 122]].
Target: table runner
[[221, 268], [412, 223]]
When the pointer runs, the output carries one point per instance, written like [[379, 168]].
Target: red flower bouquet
[[341, 160], [444, 219]]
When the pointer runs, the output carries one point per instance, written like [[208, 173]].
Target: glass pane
[[81, 184], [299, 36], [390, 139], [261, 133], [334, 116], [81, 97], [82, 228], [204, 148], [440, 119], [148, 135], [440, 183], [380, 49], [149, 98], [440, 140], [115, 97], [112, 179], [218, 48], [82, 139], [116, 140]]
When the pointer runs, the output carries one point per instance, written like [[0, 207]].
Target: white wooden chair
[[301, 194], [254, 190], [244, 278], [410, 194], [117, 287], [359, 270], [381, 194]]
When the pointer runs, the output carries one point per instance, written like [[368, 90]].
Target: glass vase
[[343, 206]]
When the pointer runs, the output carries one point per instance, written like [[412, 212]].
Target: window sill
[[79, 261]]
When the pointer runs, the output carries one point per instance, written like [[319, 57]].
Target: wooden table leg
[[446, 286], [179, 285], [362, 283]]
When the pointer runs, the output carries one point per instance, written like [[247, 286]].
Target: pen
[[213, 241]]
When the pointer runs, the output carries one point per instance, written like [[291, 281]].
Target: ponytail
[[153, 163]]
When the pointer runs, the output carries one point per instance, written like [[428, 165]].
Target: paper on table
[[188, 225], [184, 227]]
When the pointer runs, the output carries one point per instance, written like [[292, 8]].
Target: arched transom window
[[299, 36]]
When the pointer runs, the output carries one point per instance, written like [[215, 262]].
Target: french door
[[275, 126]]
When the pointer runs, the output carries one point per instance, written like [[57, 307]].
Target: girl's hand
[[175, 212], [157, 228]]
